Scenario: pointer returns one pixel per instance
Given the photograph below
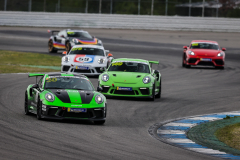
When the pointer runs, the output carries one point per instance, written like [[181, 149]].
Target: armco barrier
[[81, 20]]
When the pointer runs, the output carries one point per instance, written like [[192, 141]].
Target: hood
[[206, 52], [82, 58], [126, 77], [73, 95]]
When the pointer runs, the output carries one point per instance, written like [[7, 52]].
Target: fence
[[212, 8], [83, 20]]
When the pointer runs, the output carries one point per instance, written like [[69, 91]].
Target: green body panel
[[35, 94], [130, 79]]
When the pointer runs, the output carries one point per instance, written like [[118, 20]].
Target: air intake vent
[[138, 76], [114, 75]]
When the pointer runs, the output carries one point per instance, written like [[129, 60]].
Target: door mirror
[[102, 69], [99, 89], [110, 55], [65, 52], [184, 47], [35, 86], [223, 49], [156, 71]]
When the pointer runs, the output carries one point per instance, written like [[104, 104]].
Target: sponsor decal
[[84, 58], [59, 45], [130, 62], [88, 41]]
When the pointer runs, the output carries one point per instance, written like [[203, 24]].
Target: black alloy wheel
[[39, 109], [26, 104]]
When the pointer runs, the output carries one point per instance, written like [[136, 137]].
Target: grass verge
[[11, 62], [230, 135]]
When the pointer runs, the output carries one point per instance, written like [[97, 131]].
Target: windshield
[[68, 82], [129, 67], [204, 46], [87, 51], [81, 35]]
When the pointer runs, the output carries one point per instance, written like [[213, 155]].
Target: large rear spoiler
[[35, 75], [154, 62], [52, 32]]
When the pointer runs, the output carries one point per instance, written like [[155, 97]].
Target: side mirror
[[156, 71], [99, 89], [223, 49], [184, 47], [110, 55], [35, 86], [102, 69], [65, 52]]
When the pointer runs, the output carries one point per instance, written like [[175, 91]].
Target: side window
[[40, 82]]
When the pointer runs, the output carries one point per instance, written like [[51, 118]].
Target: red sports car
[[203, 52]]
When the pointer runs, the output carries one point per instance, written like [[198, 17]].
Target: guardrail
[[47, 19]]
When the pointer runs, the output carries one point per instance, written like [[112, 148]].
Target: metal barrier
[[44, 19]]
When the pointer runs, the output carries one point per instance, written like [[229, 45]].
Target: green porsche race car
[[131, 78], [65, 96]]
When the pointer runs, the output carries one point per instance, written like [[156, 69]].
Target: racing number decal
[[51, 79], [194, 44], [117, 64]]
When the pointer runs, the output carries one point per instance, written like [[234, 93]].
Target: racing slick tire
[[39, 109], [51, 49], [99, 122], [160, 90], [26, 110], [68, 46], [183, 64], [153, 93]]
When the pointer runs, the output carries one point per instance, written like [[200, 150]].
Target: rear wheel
[[26, 110], [51, 49], [68, 47], [99, 122], [39, 110]]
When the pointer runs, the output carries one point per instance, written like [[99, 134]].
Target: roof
[[131, 59], [207, 41], [89, 46]]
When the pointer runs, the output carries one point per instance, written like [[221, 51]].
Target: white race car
[[86, 59]]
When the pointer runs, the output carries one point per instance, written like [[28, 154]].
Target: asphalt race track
[[185, 92]]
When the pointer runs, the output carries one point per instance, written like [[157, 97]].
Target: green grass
[[230, 135], [11, 62]]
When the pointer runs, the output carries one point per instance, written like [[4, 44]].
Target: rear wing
[[52, 32], [36, 75], [153, 62]]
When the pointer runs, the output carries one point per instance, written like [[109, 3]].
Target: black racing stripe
[[86, 96], [61, 94]]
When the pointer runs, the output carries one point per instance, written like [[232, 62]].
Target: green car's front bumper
[[144, 91]]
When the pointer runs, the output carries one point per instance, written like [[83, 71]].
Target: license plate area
[[206, 59], [124, 88], [77, 110], [82, 67]]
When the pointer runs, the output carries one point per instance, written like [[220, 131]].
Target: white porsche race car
[[86, 59]]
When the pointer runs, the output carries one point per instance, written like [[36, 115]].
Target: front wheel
[[39, 110], [26, 110], [153, 93], [160, 91]]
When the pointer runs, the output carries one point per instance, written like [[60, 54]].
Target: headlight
[[49, 97], [220, 54], [98, 99], [99, 42], [191, 53], [105, 77], [146, 80], [74, 40], [66, 59], [101, 60]]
